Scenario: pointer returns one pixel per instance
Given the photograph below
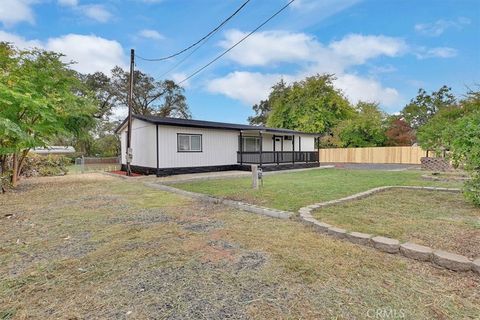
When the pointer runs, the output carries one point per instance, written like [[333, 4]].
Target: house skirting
[[184, 170]]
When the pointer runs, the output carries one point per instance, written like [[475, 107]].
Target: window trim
[[190, 134]]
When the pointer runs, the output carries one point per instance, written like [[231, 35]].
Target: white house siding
[[143, 144], [308, 143], [123, 145], [219, 147]]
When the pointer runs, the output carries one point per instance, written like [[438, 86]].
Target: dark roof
[[208, 124]]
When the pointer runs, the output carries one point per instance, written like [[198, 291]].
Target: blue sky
[[379, 50]]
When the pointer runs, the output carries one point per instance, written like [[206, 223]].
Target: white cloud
[[438, 27], [15, 11], [96, 12], [269, 46], [438, 52], [310, 57], [248, 87], [68, 3], [91, 53], [306, 56], [251, 87], [358, 88], [358, 48], [18, 41], [264, 48], [151, 34]]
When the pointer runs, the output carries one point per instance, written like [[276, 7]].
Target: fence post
[[82, 165]]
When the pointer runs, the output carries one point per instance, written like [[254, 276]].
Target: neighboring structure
[[57, 150], [166, 146]]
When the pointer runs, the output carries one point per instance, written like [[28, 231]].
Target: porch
[[276, 157], [277, 149]]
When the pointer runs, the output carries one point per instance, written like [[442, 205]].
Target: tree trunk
[[21, 161], [14, 179]]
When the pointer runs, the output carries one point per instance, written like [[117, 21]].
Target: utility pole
[[130, 101]]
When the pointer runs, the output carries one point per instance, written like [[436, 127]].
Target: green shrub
[[471, 189], [50, 165]]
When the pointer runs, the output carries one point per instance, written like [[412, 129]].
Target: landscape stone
[[386, 244], [416, 251], [337, 232], [451, 261], [321, 227], [359, 238], [476, 265]]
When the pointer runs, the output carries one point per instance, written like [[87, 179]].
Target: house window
[[189, 142], [251, 144]]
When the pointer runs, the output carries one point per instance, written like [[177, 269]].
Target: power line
[[203, 38], [186, 57], [236, 44]]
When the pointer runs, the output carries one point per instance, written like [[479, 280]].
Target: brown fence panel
[[405, 155]]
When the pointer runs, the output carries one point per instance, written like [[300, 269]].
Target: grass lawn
[[441, 220], [95, 246], [291, 191]]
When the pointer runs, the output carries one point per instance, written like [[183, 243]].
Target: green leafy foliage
[[425, 106], [261, 110], [437, 134], [40, 98], [466, 150], [310, 105], [365, 129]]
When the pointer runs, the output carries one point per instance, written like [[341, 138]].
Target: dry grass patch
[[98, 247], [441, 220]]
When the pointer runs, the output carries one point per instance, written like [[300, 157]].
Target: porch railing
[[276, 157]]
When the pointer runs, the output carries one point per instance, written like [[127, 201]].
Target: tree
[[466, 150], [39, 100], [399, 132], [150, 97], [310, 105], [439, 132], [261, 110], [101, 85], [425, 106], [365, 129]]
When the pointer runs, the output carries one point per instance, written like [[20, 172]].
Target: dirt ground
[[95, 246]]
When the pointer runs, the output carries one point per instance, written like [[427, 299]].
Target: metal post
[[241, 147], [293, 149], [261, 148], [158, 159], [318, 151], [130, 100]]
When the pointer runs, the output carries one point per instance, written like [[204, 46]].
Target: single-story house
[[165, 146]]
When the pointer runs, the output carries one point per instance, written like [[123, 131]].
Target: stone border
[[410, 250], [231, 203]]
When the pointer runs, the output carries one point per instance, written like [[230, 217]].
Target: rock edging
[[410, 250], [274, 213]]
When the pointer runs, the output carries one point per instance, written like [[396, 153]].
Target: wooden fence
[[405, 155]]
